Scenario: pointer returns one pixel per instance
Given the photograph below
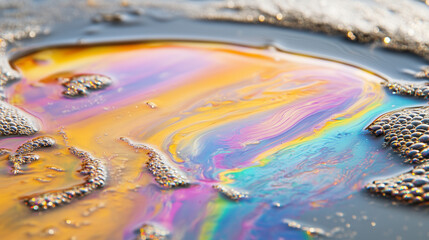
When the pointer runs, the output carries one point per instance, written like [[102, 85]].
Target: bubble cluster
[[315, 231], [411, 187], [406, 131], [160, 167], [415, 90], [152, 232], [34, 144], [80, 84], [14, 121], [230, 193], [95, 176], [23, 155]]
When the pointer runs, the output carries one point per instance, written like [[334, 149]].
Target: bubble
[[152, 105], [386, 40], [351, 35]]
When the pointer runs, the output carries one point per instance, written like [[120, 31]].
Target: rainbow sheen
[[285, 127]]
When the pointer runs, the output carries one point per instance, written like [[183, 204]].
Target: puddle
[[239, 131]]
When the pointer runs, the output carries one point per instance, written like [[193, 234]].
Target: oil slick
[[263, 126]]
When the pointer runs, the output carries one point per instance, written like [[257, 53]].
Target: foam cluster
[[95, 174], [160, 166], [81, 84], [411, 187], [231, 193], [23, 155], [406, 131], [415, 90], [14, 121]]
